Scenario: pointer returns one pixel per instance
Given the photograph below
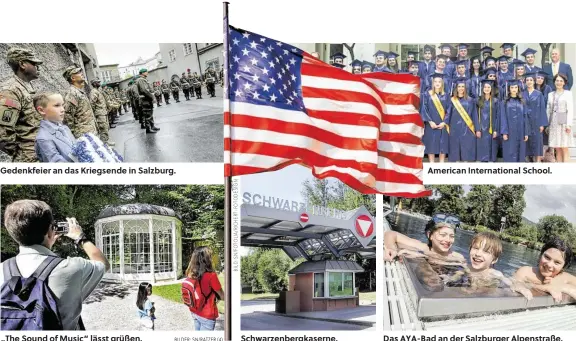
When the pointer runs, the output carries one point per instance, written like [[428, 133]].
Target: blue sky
[[285, 183]]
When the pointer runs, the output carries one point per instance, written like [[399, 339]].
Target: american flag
[[283, 106]]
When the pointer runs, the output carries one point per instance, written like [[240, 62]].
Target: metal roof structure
[[326, 265], [305, 235]]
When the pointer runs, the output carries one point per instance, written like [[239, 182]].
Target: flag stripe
[[265, 115], [270, 139]]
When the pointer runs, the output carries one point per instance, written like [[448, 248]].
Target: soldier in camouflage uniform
[[137, 103], [197, 84], [100, 109], [79, 115], [185, 86], [175, 88], [132, 98], [165, 92], [110, 105], [189, 80], [222, 76], [124, 98], [19, 121], [210, 78], [158, 94], [146, 101]]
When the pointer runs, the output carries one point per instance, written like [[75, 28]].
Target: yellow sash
[[463, 114], [480, 116], [440, 109]]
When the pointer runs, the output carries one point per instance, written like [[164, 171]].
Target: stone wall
[[55, 57]]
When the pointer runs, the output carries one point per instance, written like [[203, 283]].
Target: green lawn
[[172, 292], [264, 296], [368, 296]]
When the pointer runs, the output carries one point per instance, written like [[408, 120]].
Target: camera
[[61, 227]]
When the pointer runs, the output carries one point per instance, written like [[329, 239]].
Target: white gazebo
[[142, 242]]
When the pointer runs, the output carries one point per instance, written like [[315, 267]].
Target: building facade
[[56, 58], [109, 73], [133, 68], [194, 56]]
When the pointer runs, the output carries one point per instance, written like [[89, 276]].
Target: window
[[106, 75], [172, 55], [318, 285], [214, 64], [187, 48], [340, 284]]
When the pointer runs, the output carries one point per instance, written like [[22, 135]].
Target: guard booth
[[324, 281]]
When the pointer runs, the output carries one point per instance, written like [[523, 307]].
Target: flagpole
[[227, 193]]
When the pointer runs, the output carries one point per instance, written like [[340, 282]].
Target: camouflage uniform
[[147, 102], [137, 103], [165, 91], [158, 95], [79, 115], [19, 121], [185, 87], [210, 78], [109, 106], [124, 99], [175, 88], [100, 109], [197, 84], [189, 79]]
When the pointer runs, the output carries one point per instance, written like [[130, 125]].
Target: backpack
[[192, 294], [28, 303]]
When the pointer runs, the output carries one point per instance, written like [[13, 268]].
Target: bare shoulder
[[496, 273]]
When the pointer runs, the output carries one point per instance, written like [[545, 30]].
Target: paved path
[[113, 307]]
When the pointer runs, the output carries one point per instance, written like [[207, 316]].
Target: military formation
[[94, 109]]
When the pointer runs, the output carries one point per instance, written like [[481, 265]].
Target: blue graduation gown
[[487, 146], [381, 69], [536, 113], [462, 141], [475, 86], [428, 68], [514, 123], [503, 78], [531, 69], [450, 69], [435, 140]]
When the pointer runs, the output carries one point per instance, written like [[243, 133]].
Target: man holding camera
[[31, 224]]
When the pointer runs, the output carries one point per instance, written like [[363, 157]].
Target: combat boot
[[149, 129]]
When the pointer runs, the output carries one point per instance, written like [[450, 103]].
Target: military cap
[[95, 80], [18, 54], [143, 70], [71, 70]]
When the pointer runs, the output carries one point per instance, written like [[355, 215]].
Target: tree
[[479, 204], [508, 202], [350, 49], [545, 50], [317, 192], [451, 199], [554, 225]]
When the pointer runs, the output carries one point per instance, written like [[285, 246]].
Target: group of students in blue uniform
[[473, 108]]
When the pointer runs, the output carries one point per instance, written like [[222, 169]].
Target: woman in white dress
[[560, 110]]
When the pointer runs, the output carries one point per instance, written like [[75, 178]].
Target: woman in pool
[[440, 240], [549, 275]]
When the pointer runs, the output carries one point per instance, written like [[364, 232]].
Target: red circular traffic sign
[[304, 217], [364, 226]]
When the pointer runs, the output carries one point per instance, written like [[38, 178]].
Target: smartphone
[[61, 227]]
